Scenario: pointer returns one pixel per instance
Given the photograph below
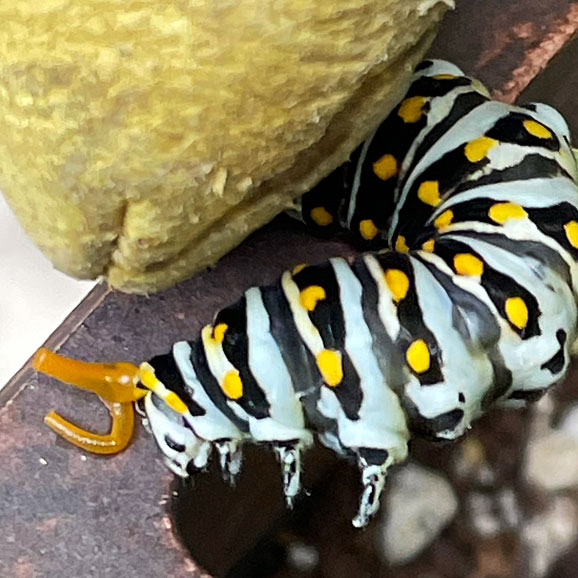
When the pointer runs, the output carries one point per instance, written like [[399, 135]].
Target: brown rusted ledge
[[68, 515], [558, 85], [506, 44]]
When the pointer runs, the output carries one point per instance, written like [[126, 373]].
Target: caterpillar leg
[[373, 477], [289, 456], [230, 460]]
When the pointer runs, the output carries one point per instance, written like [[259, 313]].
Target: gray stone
[[420, 503], [302, 557], [549, 535], [490, 514], [569, 422], [551, 462]]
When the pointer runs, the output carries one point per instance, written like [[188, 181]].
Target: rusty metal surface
[[67, 515], [506, 44], [558, 86]]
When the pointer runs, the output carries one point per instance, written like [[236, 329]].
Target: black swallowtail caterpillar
[[474, 304]]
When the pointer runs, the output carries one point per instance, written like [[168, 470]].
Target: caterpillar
[[467, 300]]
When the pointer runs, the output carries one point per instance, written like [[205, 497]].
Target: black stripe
[[348, 392], [510, 129], [478, 328], [423, 65], [211, 385], [453, 172], [551, 221], [411, 318], [429, 86], [557, 362], [532, 166], [472, 318], [430, 427], [448, 172], [528, 395], [500, 287], [502, 380], [375, 197], [327, 315], [328, 319], [174, 445], [332, 193], [527, 250], [236, 348], [167, 371], [389, 357], [298, 359], [497, 285], [474, 210], [373, 456], [463, 105]]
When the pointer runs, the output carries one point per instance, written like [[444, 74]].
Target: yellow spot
[[147, 376], [571, 228], [385, 167], [517, 312], [398, 283], [429, 193], [401, 245], [477, 149], [411, 109], [466, 264], [536, 129], [479, 87], [330, 366], [444, 76], [368, 229], [311, 295], [232, 384], [219, 332], [429, 246], [175, 402], [321, 216], [298, 268], [444, 219], [501, 212], [418, 356]]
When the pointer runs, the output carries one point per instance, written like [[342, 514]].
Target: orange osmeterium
[[121, 430], [115, 383]]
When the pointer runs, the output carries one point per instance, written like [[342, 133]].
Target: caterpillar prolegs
[[473, 305]]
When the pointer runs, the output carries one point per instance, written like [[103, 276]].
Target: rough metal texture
[[506, 44], [66, 515], [547, 86]]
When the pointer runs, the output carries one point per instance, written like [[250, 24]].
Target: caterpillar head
[[184, 452]]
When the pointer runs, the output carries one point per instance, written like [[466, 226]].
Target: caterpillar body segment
[[470, 300]]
